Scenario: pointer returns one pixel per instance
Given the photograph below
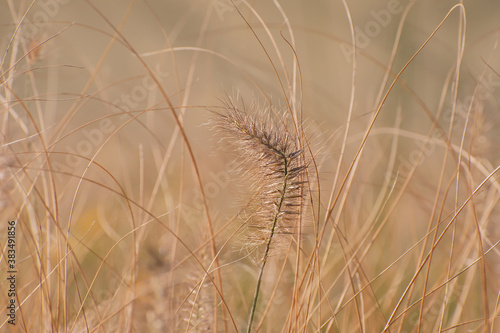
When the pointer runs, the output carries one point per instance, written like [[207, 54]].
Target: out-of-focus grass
[[128, 212]]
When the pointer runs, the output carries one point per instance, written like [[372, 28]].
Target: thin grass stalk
[[268, 247]]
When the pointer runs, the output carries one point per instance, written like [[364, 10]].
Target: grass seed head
[[271, 159]]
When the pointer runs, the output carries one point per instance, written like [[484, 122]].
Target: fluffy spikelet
[[273, 163], [197, 313]]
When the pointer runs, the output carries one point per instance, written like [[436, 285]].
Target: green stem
[[266, 253]]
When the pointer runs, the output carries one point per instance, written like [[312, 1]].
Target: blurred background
[[107, 142]]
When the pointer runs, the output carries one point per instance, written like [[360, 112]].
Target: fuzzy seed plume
[[272, 161]]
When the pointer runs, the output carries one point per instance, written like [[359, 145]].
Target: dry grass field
[[250, 166]]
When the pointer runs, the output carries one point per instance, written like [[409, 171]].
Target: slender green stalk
[[266, 253]]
